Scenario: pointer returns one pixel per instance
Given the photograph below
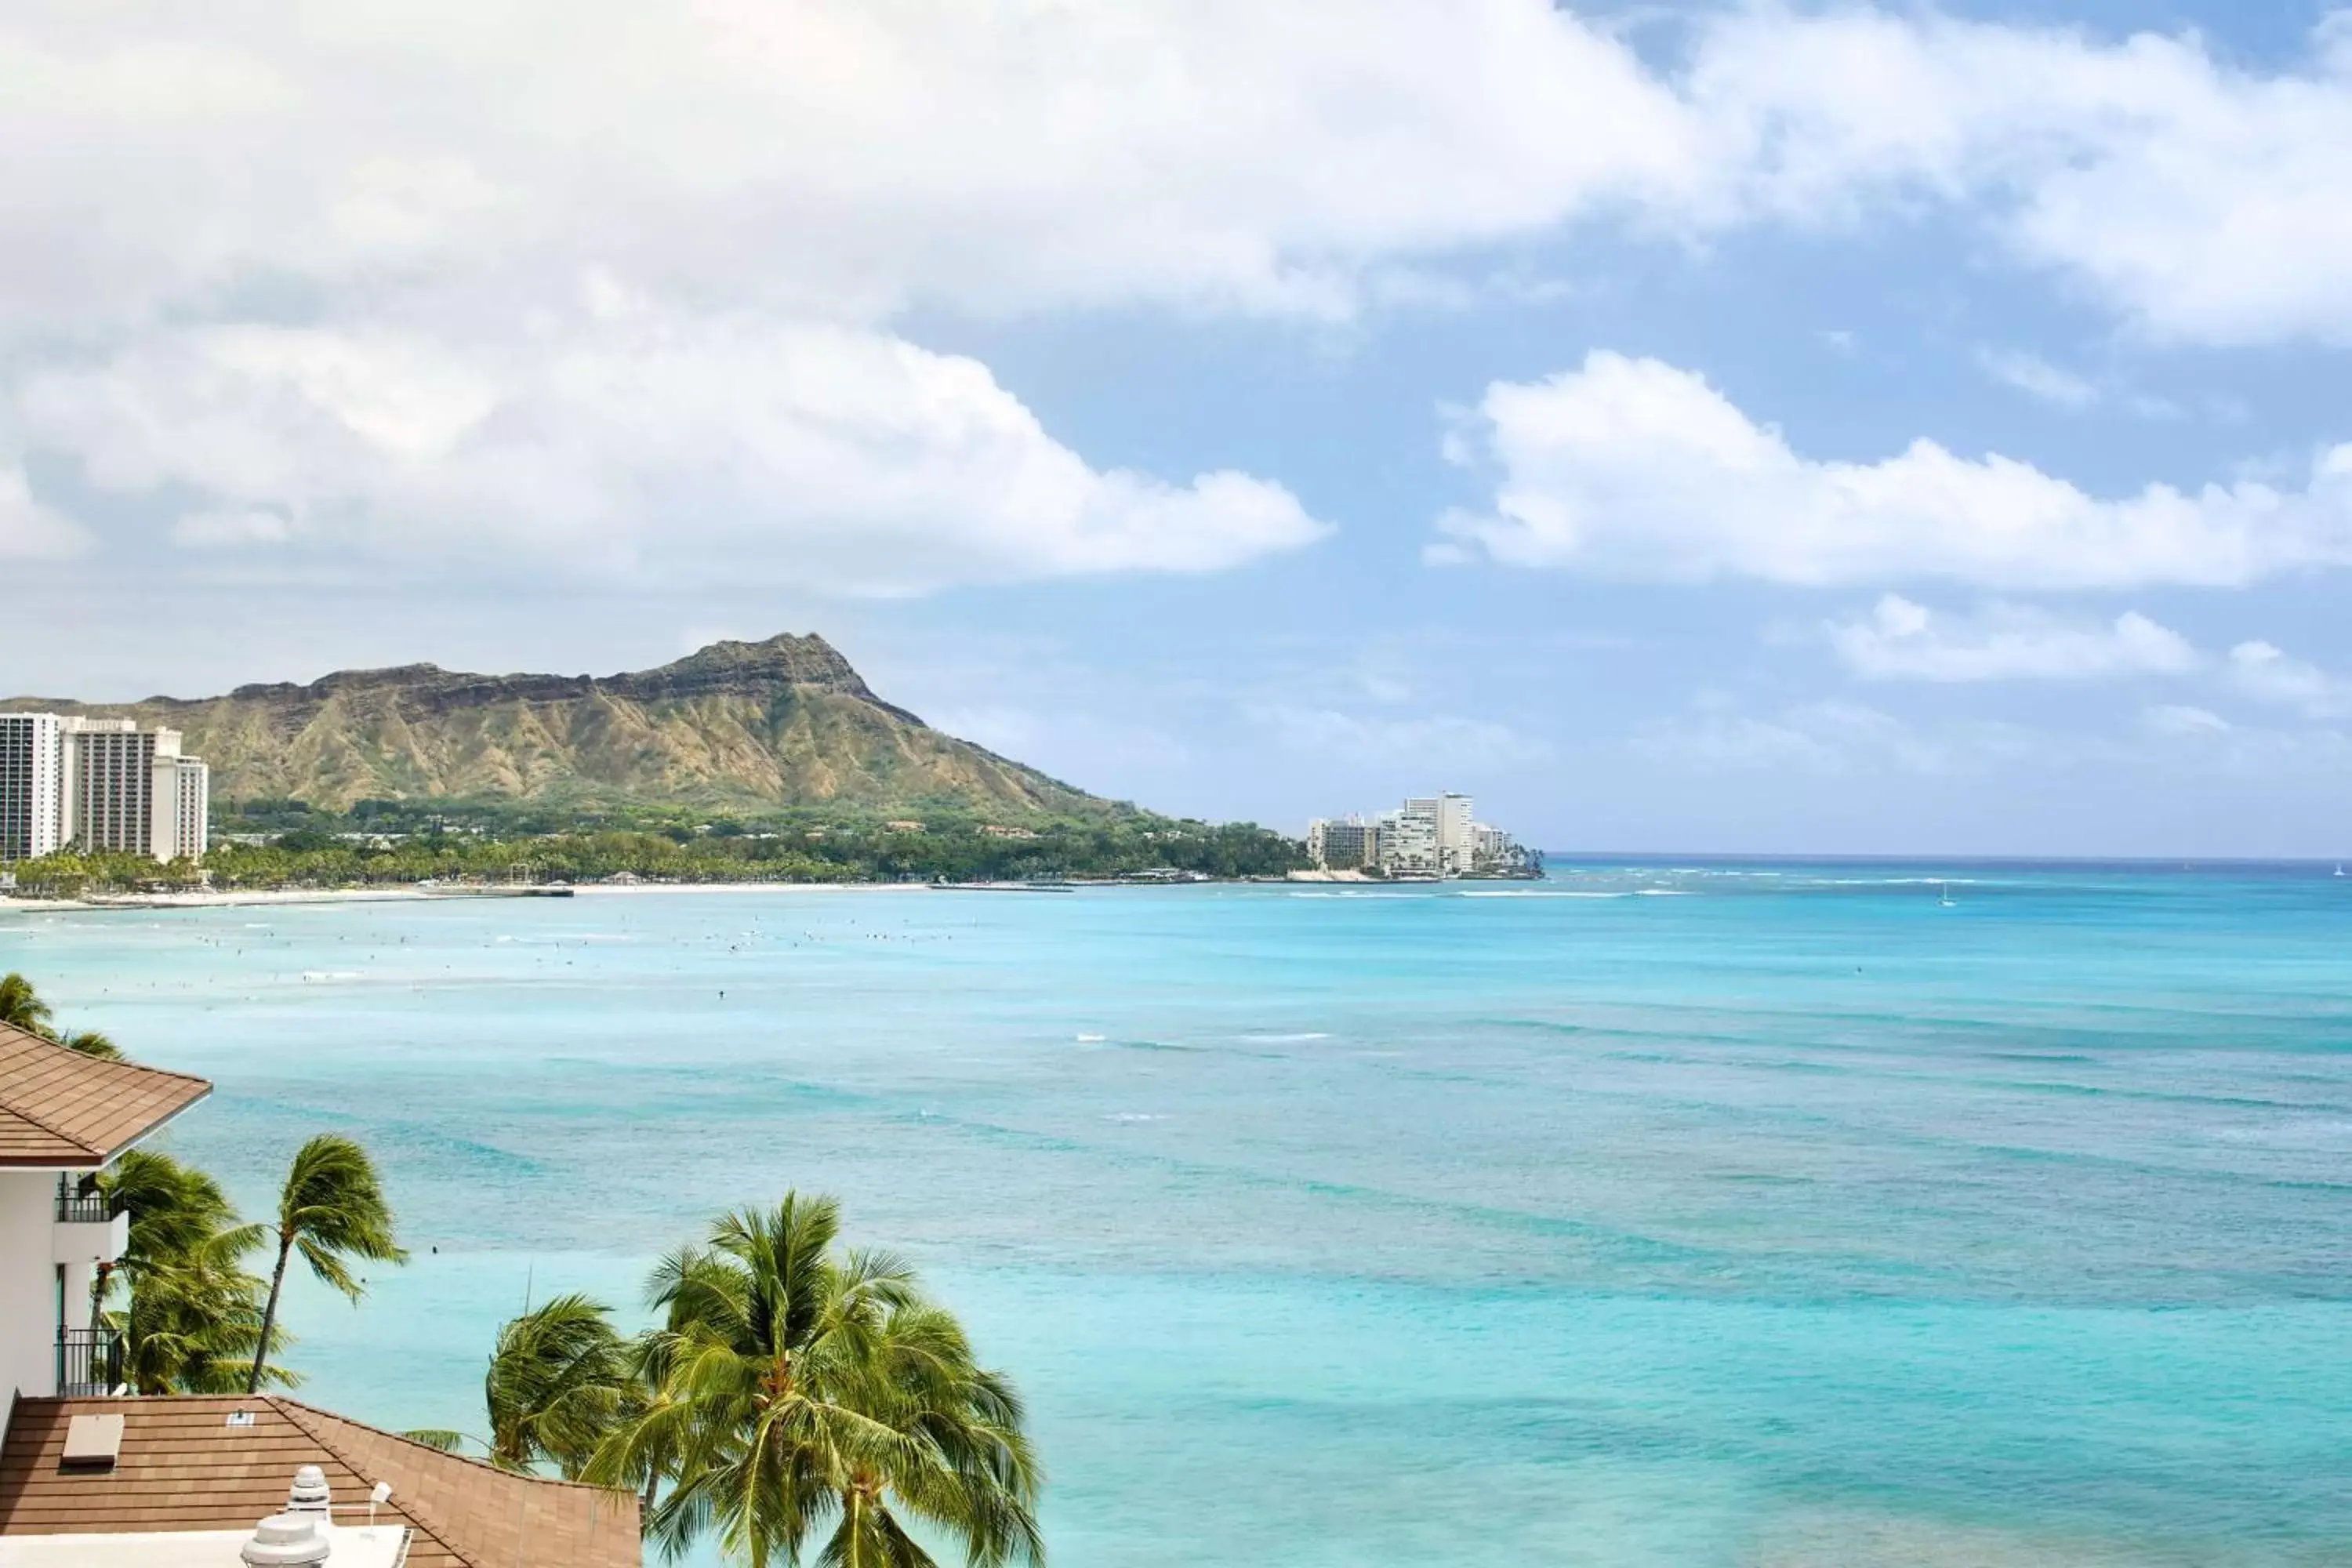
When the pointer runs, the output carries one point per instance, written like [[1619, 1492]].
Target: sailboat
[[2339, 867], [1944, 890]]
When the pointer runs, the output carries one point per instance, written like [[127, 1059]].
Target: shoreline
[[268, 896]]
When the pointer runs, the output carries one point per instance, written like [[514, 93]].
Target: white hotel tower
[[96, 784]]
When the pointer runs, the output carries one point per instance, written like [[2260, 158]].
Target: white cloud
[[424, 262], [1634, 469], [1468, 746], [2268, 674], [846, 158], [30, 530], [2207, 201], [840, 156], [1900, 640], [1826, 738], [230, 528], [667, 450], [2037, 378], [2181, 719]]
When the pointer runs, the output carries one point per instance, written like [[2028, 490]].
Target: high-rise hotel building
[[98, 784], [32, 785]]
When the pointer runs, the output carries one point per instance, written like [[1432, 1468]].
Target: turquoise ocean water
[[1674, 1214]]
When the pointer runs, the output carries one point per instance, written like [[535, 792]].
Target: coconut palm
[[22, 1007], [560, 1381], [194, 1314], [90, 1043], [331, 1210], [796, 1387]]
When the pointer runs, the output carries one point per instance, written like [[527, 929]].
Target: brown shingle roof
[[182, 1466], [62, 1110]]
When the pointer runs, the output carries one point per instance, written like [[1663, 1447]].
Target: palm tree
[[560, 1381], [90, 1043], [194, 1317], [796, 1387], [331, 1211], [22, 1007]]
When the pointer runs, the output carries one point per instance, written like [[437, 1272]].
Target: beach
[[273, 898], [1736, 1216]]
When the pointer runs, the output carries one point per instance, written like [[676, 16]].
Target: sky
[[1710, 427]]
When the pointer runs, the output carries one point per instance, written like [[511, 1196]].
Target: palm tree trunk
[[269, 1313]]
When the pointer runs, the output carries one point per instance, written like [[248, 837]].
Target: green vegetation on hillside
[[283, 844]]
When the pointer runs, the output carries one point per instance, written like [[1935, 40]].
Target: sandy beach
[[242, 897]]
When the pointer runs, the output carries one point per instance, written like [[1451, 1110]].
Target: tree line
[[316, 857], [789, 1388]]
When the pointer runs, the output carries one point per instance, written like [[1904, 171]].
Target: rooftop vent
[[310, 1494], [92, 1443], [286, 1541]]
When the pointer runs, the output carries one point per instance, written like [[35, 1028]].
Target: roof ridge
[[427, 1449], [422, 1517], [115, 1066]]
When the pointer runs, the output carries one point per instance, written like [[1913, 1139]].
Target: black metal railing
[[89, 1363], [80, 1204]]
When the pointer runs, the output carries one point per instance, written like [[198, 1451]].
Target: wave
[[1287, 1039], [1538, 893]]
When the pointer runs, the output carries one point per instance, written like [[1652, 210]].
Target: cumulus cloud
[[2268, 674], [1900, 640], [2205, 201], [369, 234], [846, 158], [30, 530], [669, 449], [1635, 468], [841, 156]]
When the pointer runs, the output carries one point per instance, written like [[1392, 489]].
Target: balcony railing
[[94, 1206], [89, 1363]]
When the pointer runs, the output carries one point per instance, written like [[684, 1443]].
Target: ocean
[[1694, 1214]]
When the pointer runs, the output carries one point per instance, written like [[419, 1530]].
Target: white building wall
[[192, 829], [129, 791], [32, 785], [29, 1282], [1454, 844]]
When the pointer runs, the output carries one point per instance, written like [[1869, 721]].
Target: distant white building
[[1429, 836], [1348, 845], [32, 785], [98, 784]]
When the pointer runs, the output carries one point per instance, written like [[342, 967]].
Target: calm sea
[[1691, 1215]]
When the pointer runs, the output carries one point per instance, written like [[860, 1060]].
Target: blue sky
[[1770, 428]]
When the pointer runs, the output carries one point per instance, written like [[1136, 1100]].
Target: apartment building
[[98, 784], [1343, 845], [32, 785], [1428, 836]]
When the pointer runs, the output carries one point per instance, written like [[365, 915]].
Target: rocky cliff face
[[783, 722]]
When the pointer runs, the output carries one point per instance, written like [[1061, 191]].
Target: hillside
[[768, 725]]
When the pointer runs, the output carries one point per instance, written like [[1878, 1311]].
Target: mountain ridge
[[776, 724]]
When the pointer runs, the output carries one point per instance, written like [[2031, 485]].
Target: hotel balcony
[[89, 1363], [92, 1226]]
